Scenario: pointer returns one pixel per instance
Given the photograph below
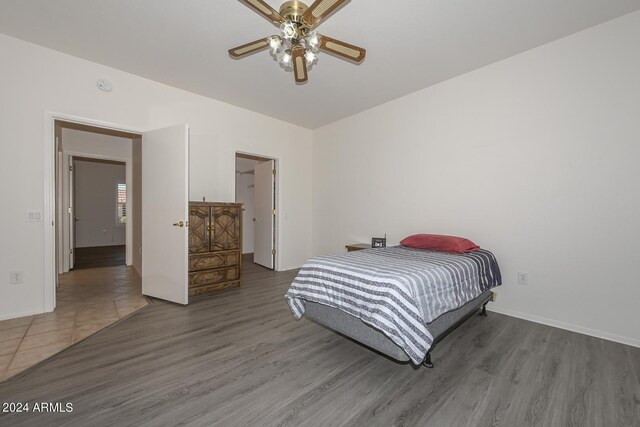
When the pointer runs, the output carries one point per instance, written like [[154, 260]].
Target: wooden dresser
[[215, 246]]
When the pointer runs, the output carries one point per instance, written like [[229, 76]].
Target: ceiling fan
[[298, 43]]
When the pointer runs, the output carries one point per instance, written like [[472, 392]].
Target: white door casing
[[72, 214], [264, 192], [165, 204]]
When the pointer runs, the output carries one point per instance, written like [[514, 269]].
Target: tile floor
[[87, 301]]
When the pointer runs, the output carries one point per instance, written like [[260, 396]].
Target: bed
[[398, 301]]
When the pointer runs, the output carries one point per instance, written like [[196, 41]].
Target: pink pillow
[[435, 242]]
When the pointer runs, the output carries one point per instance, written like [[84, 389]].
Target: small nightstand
[[357, 247]]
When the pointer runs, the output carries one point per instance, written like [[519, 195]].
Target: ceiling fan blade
[[249, 48], [345, 50], [265, 10], [299, 64], [319, 10]]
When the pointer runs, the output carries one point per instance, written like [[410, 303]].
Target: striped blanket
[[397, 290]]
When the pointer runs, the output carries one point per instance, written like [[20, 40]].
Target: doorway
[[99, 197], [256, 189], [95, 192]]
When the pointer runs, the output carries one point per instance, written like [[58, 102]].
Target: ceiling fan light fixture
[[297, 46]]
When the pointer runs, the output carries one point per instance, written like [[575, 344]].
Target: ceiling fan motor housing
[[293, 10]]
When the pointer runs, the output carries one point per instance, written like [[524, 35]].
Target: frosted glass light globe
[[274, 43], [289, 30], [313, 40], [310, 57], [284, 58]]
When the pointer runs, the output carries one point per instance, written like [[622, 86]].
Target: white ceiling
[[410, 44]]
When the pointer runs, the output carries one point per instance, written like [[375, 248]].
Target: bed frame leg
[[427, 361], [483, 312]]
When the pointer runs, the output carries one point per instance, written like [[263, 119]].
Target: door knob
[[75, 218], [254, 220], [181, 224]]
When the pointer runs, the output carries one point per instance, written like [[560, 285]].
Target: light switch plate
[[33, 215]]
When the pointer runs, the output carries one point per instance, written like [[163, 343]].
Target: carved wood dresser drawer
[[206, 262], [213, 277]]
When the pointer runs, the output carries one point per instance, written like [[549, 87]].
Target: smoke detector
[[105, 85]]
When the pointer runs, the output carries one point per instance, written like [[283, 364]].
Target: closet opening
[[256, 189]]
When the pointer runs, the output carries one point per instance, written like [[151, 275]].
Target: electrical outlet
[[15, 277], [523, 278]]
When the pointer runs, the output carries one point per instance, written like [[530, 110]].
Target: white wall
[[94, 145], [34, 80], [535, 158], [78, 141], [244, 195], [96, 193]]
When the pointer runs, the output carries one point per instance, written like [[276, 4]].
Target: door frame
[[277, 222], [49, 211], [128, 179]]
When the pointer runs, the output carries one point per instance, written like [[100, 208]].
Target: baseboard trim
[[135, 268], [567, 326], [23, 314]]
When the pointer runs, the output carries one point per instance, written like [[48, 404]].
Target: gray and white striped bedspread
[[397, 290]]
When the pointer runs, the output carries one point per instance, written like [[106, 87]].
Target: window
[[122, 204]]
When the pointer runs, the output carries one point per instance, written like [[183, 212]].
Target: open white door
[[263, 205], [72, 214], [165, 205]]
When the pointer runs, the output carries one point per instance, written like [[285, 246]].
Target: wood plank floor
[[99, 256], [239, 358]]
